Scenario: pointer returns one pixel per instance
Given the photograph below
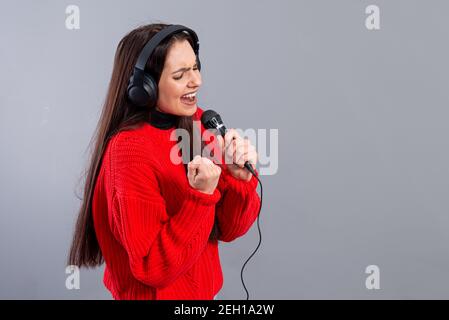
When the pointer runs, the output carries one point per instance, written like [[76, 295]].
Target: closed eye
[[180, 77]]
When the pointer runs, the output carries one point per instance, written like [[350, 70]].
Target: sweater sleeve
[[160, 248], [239, 206]]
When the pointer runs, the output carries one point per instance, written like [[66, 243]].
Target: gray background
[[363, 149]]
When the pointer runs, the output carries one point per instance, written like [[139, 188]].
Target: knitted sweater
[[153, 228]]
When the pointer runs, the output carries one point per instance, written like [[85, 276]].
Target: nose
[[195, 79]]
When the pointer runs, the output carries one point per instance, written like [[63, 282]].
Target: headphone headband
[[158, 38]]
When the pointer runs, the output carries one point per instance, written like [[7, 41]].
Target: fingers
[[203, 174], [231, 140], [202, 167], [206, 168], [210, 168], [240, 151], [246, 152], [230, 135]]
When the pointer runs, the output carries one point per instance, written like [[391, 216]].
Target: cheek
[[169, 92], [174, 91]]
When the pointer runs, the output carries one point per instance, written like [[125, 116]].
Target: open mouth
[[189, 99]]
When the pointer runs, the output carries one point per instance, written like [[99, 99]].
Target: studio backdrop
[[349, 102]]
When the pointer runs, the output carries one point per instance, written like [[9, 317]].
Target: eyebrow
[[183, 69]]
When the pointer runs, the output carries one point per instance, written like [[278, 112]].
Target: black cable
[[260, 235]]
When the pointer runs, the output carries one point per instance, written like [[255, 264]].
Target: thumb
[[196, 160]]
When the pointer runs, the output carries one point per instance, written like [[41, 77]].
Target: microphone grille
[[206, 118]]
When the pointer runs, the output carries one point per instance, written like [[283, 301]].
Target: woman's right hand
[[203, 174]]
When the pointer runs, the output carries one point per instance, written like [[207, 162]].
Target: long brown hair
[[119, 114]]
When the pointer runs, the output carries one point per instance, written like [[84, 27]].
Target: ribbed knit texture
[[153, 227]]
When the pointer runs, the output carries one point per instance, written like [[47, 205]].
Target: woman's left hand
[[236, 152]]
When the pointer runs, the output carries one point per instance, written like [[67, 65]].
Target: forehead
[[180, 55]]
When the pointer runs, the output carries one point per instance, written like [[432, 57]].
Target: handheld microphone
[[212, 120]]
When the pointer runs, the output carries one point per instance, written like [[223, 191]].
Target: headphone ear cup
[[150, 86], [136, 94], [144, 95]]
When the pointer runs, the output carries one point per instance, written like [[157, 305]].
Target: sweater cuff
[[204, 198], [241, 186]]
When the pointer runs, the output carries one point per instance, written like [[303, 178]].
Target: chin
[[190, 111]]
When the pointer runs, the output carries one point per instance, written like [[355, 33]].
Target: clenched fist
[[203, 174]]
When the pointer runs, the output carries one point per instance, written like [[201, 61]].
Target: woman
[[155, 223]]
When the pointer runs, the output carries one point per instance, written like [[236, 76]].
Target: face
[[180, 81]]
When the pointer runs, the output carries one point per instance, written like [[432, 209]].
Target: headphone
[[142, 88]]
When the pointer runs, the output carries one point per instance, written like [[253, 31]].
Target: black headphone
[[142, 88]]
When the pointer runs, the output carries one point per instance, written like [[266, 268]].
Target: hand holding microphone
[[239, 154]]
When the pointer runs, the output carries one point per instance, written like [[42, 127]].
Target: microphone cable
[[260, 234]]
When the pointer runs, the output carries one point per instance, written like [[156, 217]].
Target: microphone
[[212, 120]]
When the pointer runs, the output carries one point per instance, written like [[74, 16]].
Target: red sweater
[[153, 227]]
